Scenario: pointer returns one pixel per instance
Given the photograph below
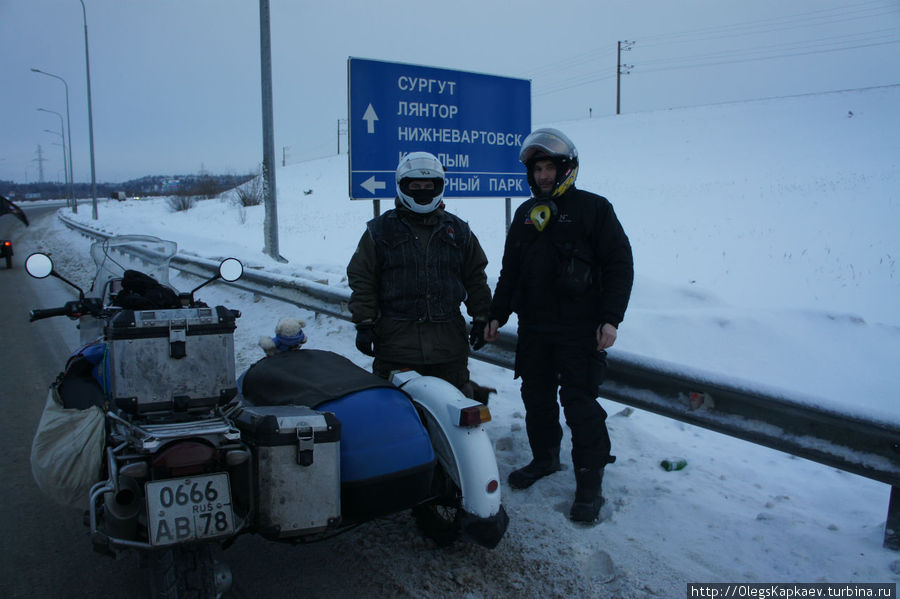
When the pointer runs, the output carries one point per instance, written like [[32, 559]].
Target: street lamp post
[[270, 235], [61, 133], [87, 62], [69, 125]]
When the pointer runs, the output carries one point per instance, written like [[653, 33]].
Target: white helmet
[[422, 166]]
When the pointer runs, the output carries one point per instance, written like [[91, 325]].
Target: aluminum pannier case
[[387, 460], [298, 461], [173, 359]]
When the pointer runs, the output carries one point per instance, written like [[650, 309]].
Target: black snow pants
[[570, 364]]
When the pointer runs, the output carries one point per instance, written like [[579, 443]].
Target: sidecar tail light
[[474, 416]]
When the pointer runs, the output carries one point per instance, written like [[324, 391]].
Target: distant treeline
[[204, 185]]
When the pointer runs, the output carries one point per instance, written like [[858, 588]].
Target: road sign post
[[473, 123]]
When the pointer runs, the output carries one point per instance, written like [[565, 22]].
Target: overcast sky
[[176, 83]]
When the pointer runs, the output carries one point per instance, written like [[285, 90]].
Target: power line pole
[[63, 136], [40, 160], [621, 69]]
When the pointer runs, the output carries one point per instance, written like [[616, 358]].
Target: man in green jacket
[[413, 267]]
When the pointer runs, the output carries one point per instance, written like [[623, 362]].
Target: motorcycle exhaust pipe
[[122, 508]]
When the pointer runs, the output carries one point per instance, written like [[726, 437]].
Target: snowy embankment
[[765, 241]]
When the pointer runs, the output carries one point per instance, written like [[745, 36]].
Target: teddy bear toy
[[288, 336]]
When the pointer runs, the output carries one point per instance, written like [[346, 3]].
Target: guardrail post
[[892, 525]]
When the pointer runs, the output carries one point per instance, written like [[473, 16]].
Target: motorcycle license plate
[[183, 509]]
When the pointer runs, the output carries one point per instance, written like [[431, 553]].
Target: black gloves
[[365, 338], [476, 334]]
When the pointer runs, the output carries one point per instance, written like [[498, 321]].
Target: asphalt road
[[45, 551]]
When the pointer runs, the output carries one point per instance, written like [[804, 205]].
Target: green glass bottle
[[671, 464]]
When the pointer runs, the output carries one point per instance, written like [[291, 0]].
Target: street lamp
[[87, 62], [69, 124], [61, 132]]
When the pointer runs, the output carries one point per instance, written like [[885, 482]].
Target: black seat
[[305, 377]]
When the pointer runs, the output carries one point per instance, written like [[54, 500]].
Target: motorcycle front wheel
[[187, 572]]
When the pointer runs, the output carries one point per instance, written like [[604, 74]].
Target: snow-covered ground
[[765, 237]]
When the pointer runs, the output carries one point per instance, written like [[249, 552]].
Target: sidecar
[[334, 445]]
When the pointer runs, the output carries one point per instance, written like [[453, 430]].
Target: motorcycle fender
[[466, 452]]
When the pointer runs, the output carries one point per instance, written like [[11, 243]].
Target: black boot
[[588, 495], [537, 469]]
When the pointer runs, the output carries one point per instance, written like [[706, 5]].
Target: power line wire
[[575, 81], [865, 39], [884, 35], [593, 56], [724, 62], [839, 15]]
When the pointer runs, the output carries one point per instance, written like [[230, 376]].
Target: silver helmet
[[550, 144], [420, 166]]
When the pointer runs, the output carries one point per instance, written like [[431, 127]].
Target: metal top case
[[171, 360]]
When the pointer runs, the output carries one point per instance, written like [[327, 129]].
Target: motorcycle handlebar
[[47, 313], [73, 309]]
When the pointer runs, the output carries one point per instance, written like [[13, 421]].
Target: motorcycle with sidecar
[[149, 430]]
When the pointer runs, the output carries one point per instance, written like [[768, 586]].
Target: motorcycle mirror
[[231, 269], [39, 265]]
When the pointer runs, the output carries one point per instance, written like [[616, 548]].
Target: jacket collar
[[434, 217]]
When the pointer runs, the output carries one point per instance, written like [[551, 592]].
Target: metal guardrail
[[867, 448]]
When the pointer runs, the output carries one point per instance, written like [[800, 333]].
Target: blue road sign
[[473, 123]]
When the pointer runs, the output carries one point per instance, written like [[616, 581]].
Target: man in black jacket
[[413, 267], [567, 273]]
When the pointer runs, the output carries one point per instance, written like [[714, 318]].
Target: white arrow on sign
[[371, 185], [370, 117]]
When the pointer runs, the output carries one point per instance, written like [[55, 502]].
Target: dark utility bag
[[142, 292]]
